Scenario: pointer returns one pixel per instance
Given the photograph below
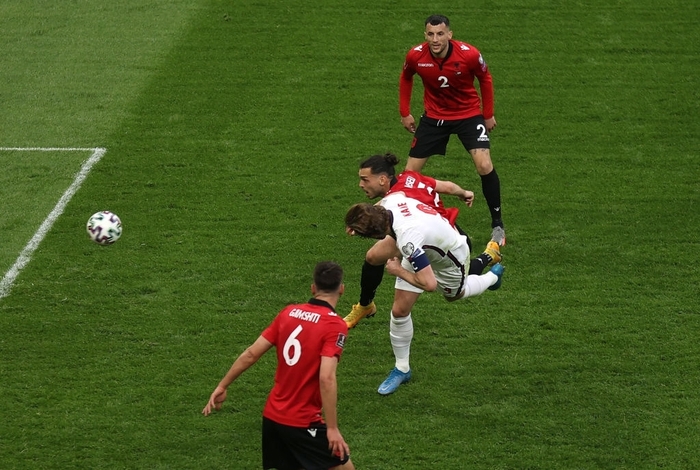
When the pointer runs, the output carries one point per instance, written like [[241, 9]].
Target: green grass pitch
[[233, 133]]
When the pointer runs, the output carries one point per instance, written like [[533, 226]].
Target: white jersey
[[418, 228]]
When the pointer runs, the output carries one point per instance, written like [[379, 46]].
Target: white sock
[[477, 284], [401, 334]]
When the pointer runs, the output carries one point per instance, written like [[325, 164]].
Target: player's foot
[[396, 378], [498, 234], [497, 269], [494, 251], [359, 312]]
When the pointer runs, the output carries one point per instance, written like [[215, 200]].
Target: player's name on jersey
[[304, 315]]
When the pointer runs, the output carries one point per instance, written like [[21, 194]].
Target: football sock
[[491, 187], [477, 265], [369, 282], [476, 285], [401, 334]]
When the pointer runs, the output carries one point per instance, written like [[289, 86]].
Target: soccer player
[[434, 256], [309, 339], [452, 106], [377, 179]]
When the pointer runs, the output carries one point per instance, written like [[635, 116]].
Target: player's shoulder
[[464, 48], [418, 50]]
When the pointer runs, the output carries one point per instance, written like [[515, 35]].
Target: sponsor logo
[[408, 249], [312, 431], [426, 65], [464, 47]]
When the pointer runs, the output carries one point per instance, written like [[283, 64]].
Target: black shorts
[[432, 135], [292, 448]]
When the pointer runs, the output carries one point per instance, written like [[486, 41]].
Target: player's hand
[[490, 124], [468, 197], [350, 231], [215, 401], [336, 443], [409, 123], [393, 266]]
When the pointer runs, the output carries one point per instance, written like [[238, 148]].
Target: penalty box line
[[26, 255]]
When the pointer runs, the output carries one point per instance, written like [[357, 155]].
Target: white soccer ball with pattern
[[104, 227]]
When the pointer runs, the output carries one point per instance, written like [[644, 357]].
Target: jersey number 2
[[292, 347], [443, 81]]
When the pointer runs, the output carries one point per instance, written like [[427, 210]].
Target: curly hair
[[367, 220]]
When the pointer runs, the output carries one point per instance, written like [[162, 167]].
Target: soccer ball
[[104, 227]]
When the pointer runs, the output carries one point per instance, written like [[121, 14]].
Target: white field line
[[49, 149], [26, 254]]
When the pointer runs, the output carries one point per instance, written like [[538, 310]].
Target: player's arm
[[382, 251], [483, 75], [405, 91], [453, 189], [423, 276], [329, 403], [247, 358]]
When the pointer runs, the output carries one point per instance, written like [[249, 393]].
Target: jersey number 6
[[294, 344]]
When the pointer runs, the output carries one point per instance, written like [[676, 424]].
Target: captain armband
[[419, 260]]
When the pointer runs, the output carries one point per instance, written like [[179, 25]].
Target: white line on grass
[[49, 149], [26, 254]]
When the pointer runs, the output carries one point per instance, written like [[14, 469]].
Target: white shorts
[[450, 271]]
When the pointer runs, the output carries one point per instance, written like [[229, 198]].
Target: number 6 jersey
[[302, 334]]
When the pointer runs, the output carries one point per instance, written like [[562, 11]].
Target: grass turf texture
[[233, 137]]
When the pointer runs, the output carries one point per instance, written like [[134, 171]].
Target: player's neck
[[331, 299]]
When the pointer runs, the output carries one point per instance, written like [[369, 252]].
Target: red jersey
[[449, 91], [421, 187], [302, 334]]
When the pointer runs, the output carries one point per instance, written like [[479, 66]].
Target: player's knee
[[399, 311], [374, 258]]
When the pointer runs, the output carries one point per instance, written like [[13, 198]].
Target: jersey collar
[[321, 303]]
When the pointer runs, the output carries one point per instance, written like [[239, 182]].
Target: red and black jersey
[[421, 187], [449, 91], [302, 334]]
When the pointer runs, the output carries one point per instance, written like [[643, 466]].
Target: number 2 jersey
[[302, 334], [448, 84]]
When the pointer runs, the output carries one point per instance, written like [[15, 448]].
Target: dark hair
[[437, 20], [368, 220], [381, 164], [328, 276]]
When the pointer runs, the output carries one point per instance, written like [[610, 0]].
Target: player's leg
[[478, 284], [450, 273], [490, 256], [400, 335], [309, 448], [431, 138], [491, 188], [275, 453], [371, 278], [472, 133]]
